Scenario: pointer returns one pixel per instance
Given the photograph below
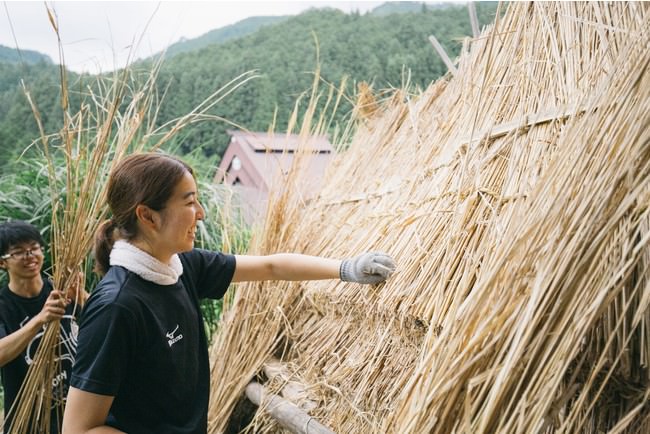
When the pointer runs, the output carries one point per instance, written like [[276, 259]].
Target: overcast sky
[[99, 35]]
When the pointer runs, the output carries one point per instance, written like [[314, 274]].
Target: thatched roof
[[514, 196]]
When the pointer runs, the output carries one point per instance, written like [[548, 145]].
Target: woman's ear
[[146, 216]]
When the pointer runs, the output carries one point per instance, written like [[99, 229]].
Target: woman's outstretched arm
[[366, 268]]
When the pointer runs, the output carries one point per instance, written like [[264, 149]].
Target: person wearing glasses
[[28, 302]]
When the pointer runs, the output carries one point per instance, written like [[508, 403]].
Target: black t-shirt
[[15, 312], [145, 344]]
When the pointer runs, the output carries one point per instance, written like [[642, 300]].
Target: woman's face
[[180, 217]]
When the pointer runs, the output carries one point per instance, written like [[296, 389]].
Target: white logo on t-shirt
[[68, 351], [173, 339], [68, 341]]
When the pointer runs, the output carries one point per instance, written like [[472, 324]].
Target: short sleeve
[[210, 273], [105, 348]]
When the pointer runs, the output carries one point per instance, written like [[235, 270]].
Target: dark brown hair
[[148, 179], [16, 232]]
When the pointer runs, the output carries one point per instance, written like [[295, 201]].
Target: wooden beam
[[473, 19], [443, 54], [287, 414], [522, 123]]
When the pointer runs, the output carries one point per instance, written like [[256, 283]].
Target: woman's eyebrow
[[188, 194]]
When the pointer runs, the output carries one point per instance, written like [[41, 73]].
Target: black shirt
[[15, 312], [145, 345]]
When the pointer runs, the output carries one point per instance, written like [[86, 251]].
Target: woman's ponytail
[[104, 240]]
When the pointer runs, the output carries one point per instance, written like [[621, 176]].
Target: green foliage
[[25, 194], [18, 128]]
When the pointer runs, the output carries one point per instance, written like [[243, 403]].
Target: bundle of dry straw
[[515, 197]]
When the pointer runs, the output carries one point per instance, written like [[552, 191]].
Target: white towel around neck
[[144, 265]]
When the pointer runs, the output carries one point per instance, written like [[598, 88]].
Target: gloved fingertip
[[385, 259], [380, 270]]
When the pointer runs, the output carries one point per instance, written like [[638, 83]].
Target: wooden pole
[[292, 389], [473, 18], [443, 54], [525, 122], [286, 413]]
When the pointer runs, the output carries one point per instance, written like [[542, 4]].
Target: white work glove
[[369, 268]]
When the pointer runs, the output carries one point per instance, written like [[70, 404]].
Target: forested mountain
[[372, 47], [406, 7], [223, 34], [17, 125], [11, 55]]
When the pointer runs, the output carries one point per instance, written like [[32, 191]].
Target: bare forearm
[[291, 266], [285, 266], [12, 345]]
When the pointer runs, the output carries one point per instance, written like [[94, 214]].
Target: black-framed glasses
[[23, 254]]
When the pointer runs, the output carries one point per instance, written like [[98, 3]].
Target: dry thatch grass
[[515, 198], [117, 116]]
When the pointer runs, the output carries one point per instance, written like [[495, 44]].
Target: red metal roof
[[264, 158], [263, 142]]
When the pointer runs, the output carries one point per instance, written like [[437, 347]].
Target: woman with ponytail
[[142, 356]]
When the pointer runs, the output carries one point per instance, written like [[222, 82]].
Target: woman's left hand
[[76, 292]]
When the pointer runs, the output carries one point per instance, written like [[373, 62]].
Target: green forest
[[381, 47]]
